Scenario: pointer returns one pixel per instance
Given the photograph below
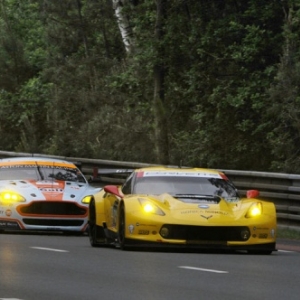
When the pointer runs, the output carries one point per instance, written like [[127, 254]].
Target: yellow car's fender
[[99, 208]]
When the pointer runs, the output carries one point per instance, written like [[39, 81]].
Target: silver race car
[[43, 194]]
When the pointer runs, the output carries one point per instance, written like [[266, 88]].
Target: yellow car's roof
[[182, 169], [173, 171]]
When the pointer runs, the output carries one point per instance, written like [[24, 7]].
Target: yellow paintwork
[[142, 226]]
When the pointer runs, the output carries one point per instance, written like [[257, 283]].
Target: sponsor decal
[[260, 228], [17, 166], [8, 212], [190, 212], [50, 190], [215, 212], [148, 225], [178, 174], [263, 236], [46, 182], [34, 164], [131, 228], [143, 232], [8, 224]]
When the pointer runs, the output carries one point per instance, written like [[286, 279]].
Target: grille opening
[[53, 222], [53, 208], [205, 233]]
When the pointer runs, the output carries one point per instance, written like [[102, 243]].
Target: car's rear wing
[[110, 175]]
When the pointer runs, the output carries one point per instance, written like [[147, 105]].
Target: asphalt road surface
[[48, 267]]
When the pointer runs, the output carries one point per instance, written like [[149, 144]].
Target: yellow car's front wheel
[[96, 233], [122, 228]]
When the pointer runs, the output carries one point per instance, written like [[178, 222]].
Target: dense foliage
[[207, 83]]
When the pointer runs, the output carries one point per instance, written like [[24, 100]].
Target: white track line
[[201, 269], [49, 249]]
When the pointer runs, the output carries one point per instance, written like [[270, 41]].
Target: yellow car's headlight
[[150, 208], [86, 199], [9, 197], [255, 210]]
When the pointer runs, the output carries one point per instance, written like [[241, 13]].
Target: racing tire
[[73, 233], [96, 233], [122, 228], [260, 252]]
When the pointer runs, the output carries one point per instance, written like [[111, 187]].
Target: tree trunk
[[82, 28], [159, 106], [124, 25]]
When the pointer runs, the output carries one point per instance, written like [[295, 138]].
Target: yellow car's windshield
[[180, 186]]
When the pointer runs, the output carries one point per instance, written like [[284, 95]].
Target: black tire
[[122, 228], [260, 252], [73, 233], [96, 233]]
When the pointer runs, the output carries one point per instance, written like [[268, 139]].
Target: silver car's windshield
[[36, 172], [181, 186]]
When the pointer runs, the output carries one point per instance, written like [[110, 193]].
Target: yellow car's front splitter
[[261, 237]]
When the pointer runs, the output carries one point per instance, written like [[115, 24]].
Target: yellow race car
[[184, 207]]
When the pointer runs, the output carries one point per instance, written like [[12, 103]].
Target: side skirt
[[111, 236]]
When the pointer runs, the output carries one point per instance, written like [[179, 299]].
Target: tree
[[23, 96], [159, 106], [167, 81], [221, 76], [283, 113], [124, 23]]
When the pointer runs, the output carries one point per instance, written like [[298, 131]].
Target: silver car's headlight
[[10, 197]]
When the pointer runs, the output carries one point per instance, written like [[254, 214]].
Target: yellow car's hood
[[202, 211]]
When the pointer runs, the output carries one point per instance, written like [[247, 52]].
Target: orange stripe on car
[[34, 163]]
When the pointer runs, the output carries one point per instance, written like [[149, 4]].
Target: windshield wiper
[[193, 196], [39, 170]]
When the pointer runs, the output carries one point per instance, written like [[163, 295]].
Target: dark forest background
[[205, 83]]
